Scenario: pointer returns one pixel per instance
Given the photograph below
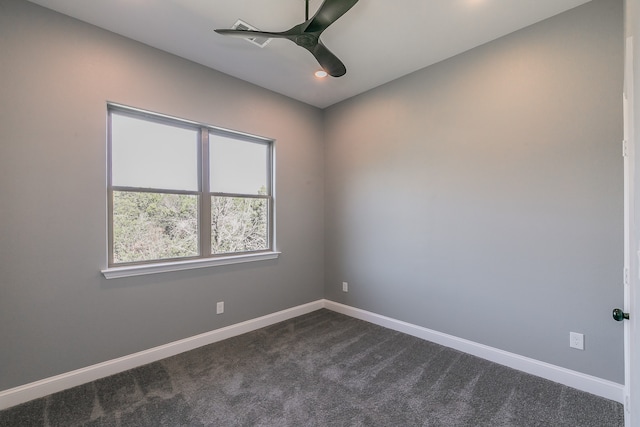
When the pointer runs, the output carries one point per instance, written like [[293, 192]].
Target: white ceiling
[[378, 40]]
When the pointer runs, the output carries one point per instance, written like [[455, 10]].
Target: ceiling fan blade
[[327, 14], [327, 60], [250, 33]]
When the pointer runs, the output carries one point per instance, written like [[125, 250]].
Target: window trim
[[189, 264], [205, 258]]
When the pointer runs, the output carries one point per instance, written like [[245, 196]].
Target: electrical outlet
[[220, 307], [576, 340], [345, 287]]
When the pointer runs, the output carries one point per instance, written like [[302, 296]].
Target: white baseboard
[[41, 388], [577, 380]]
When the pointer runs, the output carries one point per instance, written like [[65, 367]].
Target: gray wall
[[57, 313], [482, 196]]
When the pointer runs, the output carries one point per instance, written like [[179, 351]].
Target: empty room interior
[[476, 203]]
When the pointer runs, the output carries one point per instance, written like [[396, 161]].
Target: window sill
[[165, 267]]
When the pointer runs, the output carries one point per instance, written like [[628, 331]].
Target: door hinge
[[625, 148]]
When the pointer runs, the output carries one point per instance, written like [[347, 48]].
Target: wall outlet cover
[[576, 340]]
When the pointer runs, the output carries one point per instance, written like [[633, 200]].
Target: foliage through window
[[181, 190]]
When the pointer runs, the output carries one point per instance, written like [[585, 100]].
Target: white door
[[632, 221], [630, 267]]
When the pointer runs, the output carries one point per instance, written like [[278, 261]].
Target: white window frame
[[205, 258]]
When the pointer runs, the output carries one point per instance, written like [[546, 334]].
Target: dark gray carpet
[[321, 369]]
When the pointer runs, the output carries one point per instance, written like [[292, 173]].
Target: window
[[182, 191]]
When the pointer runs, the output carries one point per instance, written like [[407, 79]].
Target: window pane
[[238, 167], [238, 224], [153, 226], [146, 154]]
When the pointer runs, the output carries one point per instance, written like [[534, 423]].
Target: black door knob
[[619, 315]]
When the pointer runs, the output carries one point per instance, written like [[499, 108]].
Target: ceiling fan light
[[321, 74]]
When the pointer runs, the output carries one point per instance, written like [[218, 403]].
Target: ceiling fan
[[307, 34]]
